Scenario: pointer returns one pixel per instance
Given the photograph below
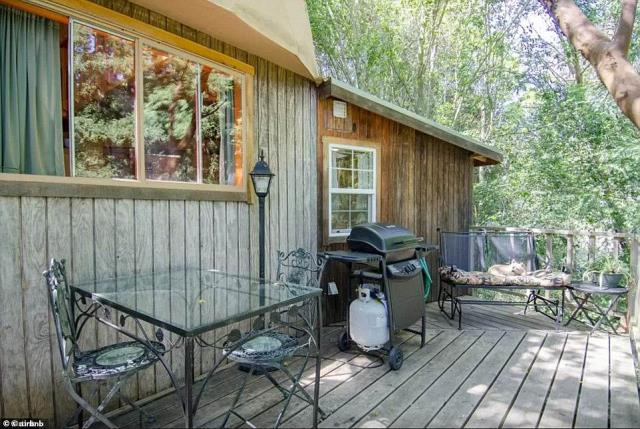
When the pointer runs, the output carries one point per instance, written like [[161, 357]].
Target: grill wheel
[[396, 358]]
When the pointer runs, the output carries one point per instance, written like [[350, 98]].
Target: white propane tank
[[368, 325]]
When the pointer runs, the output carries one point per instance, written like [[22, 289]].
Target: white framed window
[[352, 184]]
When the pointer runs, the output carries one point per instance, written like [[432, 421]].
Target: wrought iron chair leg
[[74, 419], [296, 386], [96, 413], [284, 391], [453, 306], [296, 381], [559, 311], [530, 299], [440, 298], [277, 385], [148, 417], [237, 398], [112, 393]]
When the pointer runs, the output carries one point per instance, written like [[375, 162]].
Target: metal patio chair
[[268, 349], [110, 365]]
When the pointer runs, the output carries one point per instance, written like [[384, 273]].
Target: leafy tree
[[503, 72], [608, 55]]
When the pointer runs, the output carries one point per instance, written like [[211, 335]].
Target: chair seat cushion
[[540, 278], [116, 359], [265, 348]]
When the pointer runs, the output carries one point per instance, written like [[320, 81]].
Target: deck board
[[561, 403], [398, 401], [425, 407], [516, 371], [528, 405], [366, 400], [593, 403], [625, 410], [463, 403]]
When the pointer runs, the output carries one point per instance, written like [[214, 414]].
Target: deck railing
[[577, 249]]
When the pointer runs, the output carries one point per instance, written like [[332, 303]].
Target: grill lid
[[381, 238]]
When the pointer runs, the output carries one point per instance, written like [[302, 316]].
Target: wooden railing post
[[616, 247], [633, 307], [548, 241], [635, 258], [591, 255], [634, 296], [570, 253]]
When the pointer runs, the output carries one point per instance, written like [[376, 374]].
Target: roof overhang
[[482, 155], [276, 30]]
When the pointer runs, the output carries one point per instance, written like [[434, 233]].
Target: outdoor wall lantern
[[261, 177]]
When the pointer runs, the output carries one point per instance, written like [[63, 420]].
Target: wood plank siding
[[102, 237], [425, 184]]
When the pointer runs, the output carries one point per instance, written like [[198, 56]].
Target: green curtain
[[30, 95]]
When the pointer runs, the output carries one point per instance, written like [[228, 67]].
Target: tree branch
[[608, 57], [581, 32], [622, 37]]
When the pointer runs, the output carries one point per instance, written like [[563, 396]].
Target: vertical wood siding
[[106, 237], [426, 184]]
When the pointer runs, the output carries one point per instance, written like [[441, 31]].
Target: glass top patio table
[[189, 302]]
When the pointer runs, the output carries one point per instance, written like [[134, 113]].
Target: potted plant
[[608, 272]]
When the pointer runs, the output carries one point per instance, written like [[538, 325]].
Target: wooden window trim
[[30, 185], [57, 186], [94, 13], [326, 161]]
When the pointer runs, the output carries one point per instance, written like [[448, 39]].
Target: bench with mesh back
[[466, 257]]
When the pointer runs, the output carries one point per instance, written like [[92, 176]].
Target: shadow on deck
[[502, 369]]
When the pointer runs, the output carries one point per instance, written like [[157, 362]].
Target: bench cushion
[[540, 278]]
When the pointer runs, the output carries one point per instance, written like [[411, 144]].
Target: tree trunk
[[608, 56]]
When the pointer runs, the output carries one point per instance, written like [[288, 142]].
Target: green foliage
[[570, 163], [104, 127], [500, 71]]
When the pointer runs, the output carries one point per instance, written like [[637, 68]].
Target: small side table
[[587, 290]]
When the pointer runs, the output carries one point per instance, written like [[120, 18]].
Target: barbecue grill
[[388, 256]]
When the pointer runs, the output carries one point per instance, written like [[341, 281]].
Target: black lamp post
[[261, 178]]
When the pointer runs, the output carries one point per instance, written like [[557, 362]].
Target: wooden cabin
[[190, 92], [404, 169]]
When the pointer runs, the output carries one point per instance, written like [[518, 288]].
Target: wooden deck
[[501, 370]]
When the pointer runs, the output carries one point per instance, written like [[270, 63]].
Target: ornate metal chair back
[[61, 307], [299, 267]]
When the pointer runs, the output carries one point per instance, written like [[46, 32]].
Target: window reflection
[[221, 124], [103, 104], [170, 124]]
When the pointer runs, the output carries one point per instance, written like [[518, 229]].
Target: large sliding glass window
[[170, 116], [138, 102], [104, 101]]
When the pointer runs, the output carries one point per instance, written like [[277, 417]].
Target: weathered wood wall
[[106, 237], [426, 184]]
